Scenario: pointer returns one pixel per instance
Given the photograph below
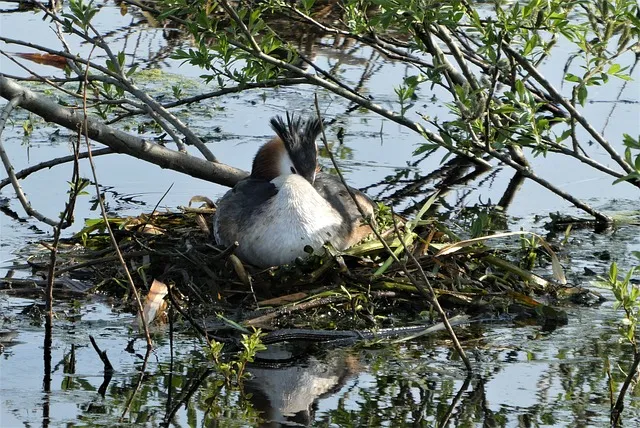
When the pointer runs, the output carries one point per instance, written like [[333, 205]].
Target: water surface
[[524, 375]]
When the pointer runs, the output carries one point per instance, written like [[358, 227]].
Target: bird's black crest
[[299, 138]]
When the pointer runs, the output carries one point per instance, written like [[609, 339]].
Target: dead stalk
[[289, 309], [103, 211], [430, 293], [616, 409]]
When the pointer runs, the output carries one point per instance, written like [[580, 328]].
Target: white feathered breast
[[295, 217]]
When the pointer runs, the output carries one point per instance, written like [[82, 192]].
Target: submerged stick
[[108, 368]]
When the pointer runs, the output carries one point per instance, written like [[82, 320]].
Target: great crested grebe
[[286, 204]]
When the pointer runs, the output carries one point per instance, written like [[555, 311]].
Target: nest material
[[357, 289]]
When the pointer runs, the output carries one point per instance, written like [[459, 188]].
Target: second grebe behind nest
[[286, 204]]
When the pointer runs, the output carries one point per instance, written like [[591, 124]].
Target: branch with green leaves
[[501, 104]]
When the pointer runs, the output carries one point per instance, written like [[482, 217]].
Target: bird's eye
[[293, 170]]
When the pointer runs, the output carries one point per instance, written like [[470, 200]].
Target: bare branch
[[567, 105], [153, 105], [363, 102], [119, 141]]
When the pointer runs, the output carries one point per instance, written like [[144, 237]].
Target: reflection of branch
[[51, 163], [142, 376], [528, 173], [453, 174], [15, 100], [194, 384], [510, 192], [120, 141], [444, 421], [224, 91], [616, 410]]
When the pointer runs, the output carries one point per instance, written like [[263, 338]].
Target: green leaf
[[572, 78], [530, 45], [563, 136], [614, 69], [582, 94], [520, 89], [631, 176], [424, 147]]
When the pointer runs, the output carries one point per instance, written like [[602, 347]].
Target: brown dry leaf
[[134, 223], [208, 202], [202, 224], [154, 303], [240, 270], [524, 299], [45, 58], [150, 229]]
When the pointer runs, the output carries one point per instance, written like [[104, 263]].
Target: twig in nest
[[287, 310], [226, 252], [100, 261], [186, 316]]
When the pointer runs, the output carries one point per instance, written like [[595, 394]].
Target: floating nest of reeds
[[362, 289]]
